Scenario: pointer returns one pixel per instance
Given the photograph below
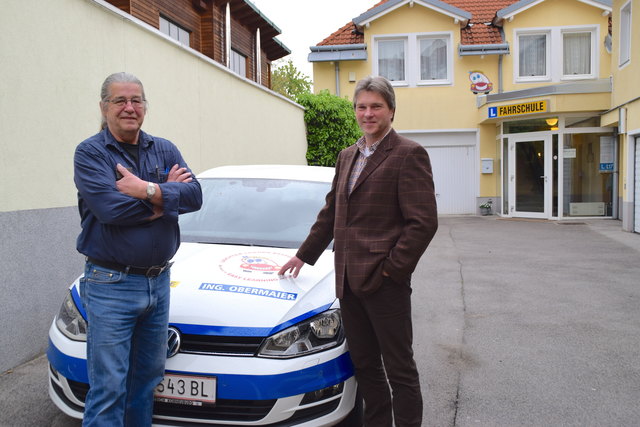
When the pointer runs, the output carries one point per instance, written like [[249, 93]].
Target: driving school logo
[[254, 266]]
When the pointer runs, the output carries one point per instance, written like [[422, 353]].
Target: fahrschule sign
[[518, 109]]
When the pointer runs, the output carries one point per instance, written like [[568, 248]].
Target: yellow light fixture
[[552, 121]]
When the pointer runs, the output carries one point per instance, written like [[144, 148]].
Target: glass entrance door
[[530, 176]]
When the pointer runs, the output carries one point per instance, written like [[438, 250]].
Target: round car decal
[[254, 266]]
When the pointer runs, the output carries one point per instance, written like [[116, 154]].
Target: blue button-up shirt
[[115, 227]]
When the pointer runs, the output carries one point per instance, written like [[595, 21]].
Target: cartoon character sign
[[479, 82]]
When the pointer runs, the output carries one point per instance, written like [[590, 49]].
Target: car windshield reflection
[[256, 212]]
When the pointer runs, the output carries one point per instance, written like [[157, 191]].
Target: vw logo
[[173, 343]]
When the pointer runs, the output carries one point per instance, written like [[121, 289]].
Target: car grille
[[224, 410], [208, 344], [299, 417]]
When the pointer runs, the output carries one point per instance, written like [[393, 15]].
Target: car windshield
[[260, 212]]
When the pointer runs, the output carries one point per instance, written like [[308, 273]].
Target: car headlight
[[319, 333], [70, 322]]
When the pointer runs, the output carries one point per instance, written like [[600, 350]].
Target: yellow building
[[512, 99], [624, 112]]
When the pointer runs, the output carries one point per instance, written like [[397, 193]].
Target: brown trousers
[[380, 335]]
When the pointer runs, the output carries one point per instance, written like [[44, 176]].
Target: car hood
[[236, 290]]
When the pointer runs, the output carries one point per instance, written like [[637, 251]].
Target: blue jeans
[[127, 318]]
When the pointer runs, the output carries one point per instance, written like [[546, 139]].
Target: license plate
[[186, 390]]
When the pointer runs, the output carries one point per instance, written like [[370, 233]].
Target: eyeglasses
[[136, 102]]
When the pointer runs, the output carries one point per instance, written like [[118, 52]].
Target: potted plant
[[485, 208]]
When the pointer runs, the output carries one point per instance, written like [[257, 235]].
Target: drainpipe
[[500, 73], [500, 57], [258, 58], [227, 35], [337, 78]]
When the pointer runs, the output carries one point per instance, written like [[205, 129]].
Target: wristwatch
[[151, 191]]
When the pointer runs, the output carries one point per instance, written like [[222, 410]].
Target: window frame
[[516, 66], [448, 79], [624, 44], [180, 32], [412, 75], [236, 58], [376, 61], [554, 53], [593, 63]]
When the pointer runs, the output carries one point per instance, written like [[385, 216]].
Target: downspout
[[337, 78], [500, 57], [258, 58], [500, 73], [227, 35]]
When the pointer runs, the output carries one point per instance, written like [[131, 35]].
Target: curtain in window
[[577, 53], [533, 55], [391, 59], [433, 59]]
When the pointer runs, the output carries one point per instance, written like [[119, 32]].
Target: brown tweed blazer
[[387, 221]]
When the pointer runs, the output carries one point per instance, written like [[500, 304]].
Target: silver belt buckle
[[157, 270]]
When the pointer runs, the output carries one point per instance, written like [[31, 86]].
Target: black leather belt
[[153, 271]]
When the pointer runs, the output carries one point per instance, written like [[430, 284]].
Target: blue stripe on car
[[238, 331], [246, 387]]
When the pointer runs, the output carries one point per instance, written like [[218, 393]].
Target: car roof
[[291, 172]]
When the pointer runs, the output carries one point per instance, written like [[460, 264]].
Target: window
[[174, 31], [414, 59], [433, 59], [391, 59], [576, 48], [625, 34], [532, 58], [575, 56], [238, 63]]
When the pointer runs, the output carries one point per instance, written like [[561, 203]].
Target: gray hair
[[379, 85], [105, 90]]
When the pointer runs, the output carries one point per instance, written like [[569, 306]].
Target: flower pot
[[485, 211]]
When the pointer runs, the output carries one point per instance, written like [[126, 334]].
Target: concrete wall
[[54, 56]]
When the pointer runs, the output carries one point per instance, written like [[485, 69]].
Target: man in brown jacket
[[381, 213]]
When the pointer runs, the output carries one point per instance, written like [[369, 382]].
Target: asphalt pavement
[[516, 323]]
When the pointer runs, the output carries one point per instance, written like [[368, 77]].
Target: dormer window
[[416, 59], [555, 54]]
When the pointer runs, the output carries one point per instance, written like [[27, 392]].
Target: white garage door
[[636, 203], [454, 163]]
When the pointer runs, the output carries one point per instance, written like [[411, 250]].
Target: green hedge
[[331, 126]]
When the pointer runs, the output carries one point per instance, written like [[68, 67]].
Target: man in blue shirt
[[131, 188]]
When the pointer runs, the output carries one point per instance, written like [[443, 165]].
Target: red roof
[[476, 32], [345, 35], [482, 13]]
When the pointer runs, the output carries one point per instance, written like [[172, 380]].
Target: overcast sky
[[306, 23]]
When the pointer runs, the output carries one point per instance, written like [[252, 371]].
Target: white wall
[[55, 55]]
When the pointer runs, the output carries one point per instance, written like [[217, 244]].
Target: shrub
[[331, 126]]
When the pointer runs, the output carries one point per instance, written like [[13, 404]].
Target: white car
[[245, 346]]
